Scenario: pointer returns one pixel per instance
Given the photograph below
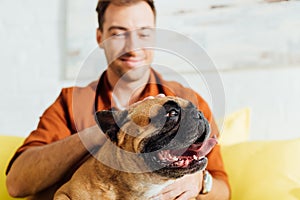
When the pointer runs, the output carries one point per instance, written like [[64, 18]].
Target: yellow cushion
[[264, 169], [8, 146], [235, 127]]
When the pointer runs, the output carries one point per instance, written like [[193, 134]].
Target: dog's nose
[[195, 114], [200, 115]]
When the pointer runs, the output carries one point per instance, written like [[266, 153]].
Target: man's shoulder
[[174, 86], [178, 89], [70, 91]]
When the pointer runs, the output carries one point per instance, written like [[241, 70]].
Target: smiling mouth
[[132, 62]]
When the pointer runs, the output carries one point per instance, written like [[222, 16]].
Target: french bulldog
[[149, 145]]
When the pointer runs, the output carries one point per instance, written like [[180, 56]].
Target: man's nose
[[132, 42]]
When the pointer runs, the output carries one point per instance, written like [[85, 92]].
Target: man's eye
[[144, 35], [118, 35]]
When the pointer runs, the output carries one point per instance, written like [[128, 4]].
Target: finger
[[158, 197], [184, 196], [173, 186], [168, 189], [160, 95], [149, 97], [138, 102], [92, 137], [173, 194]]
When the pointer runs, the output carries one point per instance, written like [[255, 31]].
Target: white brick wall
[[273, 97], [31, 58], [256, 47], [32, 49]]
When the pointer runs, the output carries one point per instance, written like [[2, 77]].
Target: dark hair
[[103, 4]]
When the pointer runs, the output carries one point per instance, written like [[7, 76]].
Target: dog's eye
[[172, 113]]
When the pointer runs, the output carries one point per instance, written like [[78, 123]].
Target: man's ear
[[99, 37], [110, 122]]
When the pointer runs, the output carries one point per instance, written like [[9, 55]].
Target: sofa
[[265, 170], [8, 145]]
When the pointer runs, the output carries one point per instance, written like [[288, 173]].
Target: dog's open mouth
[[185, 158]]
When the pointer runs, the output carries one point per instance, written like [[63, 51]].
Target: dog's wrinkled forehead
[[150, 107]]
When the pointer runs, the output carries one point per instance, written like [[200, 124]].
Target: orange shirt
[[74, 111]]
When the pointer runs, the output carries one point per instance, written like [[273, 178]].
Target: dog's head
[[169, 133]]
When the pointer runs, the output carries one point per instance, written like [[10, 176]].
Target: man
[[67, 132]]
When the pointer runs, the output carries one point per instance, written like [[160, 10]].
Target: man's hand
[[183, 188], [92, 137], [150, 97]]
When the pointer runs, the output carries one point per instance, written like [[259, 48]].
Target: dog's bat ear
[[110, 121]]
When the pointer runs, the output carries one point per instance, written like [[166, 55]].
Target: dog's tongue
[[204, 148], [200, 150]]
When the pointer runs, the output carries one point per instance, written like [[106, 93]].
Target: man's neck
[[124, 91]]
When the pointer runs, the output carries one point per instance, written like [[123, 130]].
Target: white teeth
[[197, 158], [181, 162], [175, 158]]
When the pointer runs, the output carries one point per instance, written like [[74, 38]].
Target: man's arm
[[40, 167]]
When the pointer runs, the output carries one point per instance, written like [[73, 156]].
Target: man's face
[[126, 30]]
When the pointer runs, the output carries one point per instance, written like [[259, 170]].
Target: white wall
[[31, 34], [273, 96], [32, 38], [256, 48]]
